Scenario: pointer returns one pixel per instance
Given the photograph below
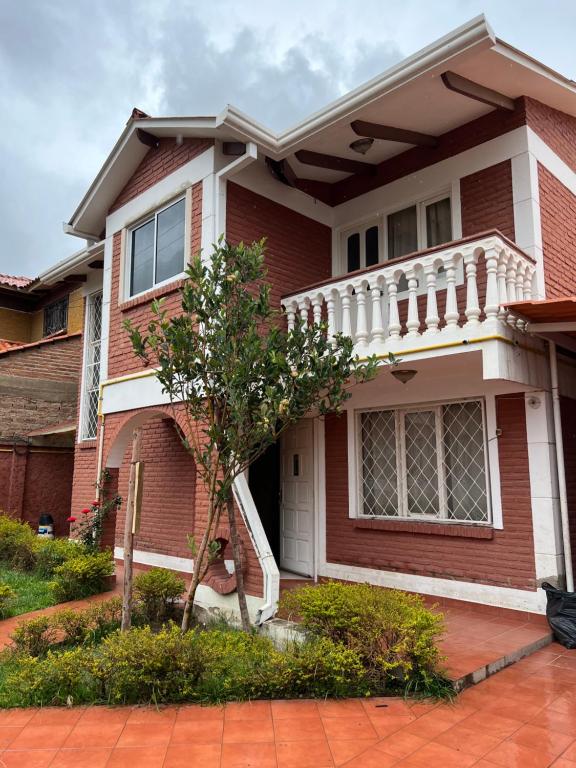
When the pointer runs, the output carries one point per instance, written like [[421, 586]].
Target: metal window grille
[[428, 463], [56, 316], [92, 366]]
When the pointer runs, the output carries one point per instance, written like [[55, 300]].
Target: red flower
[[96, 503], [71, 519], [85, 511]]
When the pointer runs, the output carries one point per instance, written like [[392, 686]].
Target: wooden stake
[[128, 535]]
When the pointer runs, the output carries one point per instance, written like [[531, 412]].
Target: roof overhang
[[553, 319], [411, 95]]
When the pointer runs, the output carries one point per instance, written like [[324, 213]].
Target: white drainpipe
[[560, 467], [261, 546], [220, 179]]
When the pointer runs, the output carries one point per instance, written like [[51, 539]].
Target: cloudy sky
[[71, 71]]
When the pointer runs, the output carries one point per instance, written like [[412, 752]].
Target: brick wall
[[555, 128], [15, 325], [48, 487], [159, 163], [486, 200], [558, 218], [55, 359], [506, 560]]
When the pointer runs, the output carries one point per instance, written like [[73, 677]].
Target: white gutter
[[261, 546], [70, 264], [220, 179], [561, 467]]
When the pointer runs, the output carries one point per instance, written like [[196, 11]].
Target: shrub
[[83, 575], [141, 666], [50, 553], [393, 633], [105, 617], [7, 597], [17, 543], [157, 590], [35, 636]]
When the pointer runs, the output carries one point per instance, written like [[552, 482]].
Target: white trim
[[158, 560], [550, 160], [485, 594], [106, 299], [493, 463], [220, 186], [82, 415], [319, 494], [550, 327]]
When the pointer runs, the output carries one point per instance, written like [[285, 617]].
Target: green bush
[[82, 575], [50, 553], [157, 590], [393, 632], [7, 597], [35, 636], [17, 543]]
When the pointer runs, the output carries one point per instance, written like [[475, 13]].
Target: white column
[[501, 279], [361, 321], [412, 321], [377, 324], [330, 310], [291, 316], [432, 318], [394, 326], [511, 286], [492, 306], [451, 315], [472, 310], [317, 308], [346, 297], [304, 305], [546, 522]]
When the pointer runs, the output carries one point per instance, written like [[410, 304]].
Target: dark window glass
[[56, 316], [353, 252], [438, 223], [170, 242], [402, 233], [142, 268], [372, 246]]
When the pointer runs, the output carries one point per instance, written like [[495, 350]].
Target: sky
[[72, 70]]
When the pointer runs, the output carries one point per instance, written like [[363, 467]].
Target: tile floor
[[523, 717]]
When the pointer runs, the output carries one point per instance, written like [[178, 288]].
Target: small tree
[[240, 378]]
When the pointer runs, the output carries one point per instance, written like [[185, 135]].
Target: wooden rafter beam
[[281, 171], [389, 133], [75, 279], [334, 163], [475, 91], [147, 138]]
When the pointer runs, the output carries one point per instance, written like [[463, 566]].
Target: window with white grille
[[427, 462], [92, 366]]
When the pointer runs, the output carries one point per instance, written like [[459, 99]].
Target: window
[[362, 247], [427, 462], [91, 381], [157, 248], [56, 316]]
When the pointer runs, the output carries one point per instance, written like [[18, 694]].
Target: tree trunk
[[196, 577], [128, 535], [236, 552]]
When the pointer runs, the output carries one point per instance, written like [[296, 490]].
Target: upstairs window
[[56, 317], [157, 248], [362, 247]]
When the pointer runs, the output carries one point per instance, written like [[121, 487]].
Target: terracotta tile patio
[[523, 717]]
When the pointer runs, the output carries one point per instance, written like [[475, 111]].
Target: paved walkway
[[524, 717]]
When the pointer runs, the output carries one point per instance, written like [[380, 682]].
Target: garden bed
[[361, 641]]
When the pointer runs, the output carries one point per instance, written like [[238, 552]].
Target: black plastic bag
[[561, 614]]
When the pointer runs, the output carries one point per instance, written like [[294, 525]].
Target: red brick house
[[409, 213]]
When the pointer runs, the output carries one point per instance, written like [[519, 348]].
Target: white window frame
[[153, 216], [88, 341], [381, 219], [356, 496]]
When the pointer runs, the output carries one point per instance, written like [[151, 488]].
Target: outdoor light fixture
[[362, 145], [404, 375]]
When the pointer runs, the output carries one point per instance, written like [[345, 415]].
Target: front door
[[297, 494]]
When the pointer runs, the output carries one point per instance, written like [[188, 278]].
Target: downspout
[[242, 493], [560, 467]]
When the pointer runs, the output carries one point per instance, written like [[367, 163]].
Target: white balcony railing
[[439, 296]]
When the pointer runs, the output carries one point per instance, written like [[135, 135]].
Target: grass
[[32, 591]]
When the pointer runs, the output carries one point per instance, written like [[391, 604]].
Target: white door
[[297, 505]]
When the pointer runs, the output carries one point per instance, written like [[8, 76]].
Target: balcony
[[452, 295]]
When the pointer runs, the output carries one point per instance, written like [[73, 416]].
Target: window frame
[[63, 300], [380, 218], [400, 412], [88, 341], [153, 216]]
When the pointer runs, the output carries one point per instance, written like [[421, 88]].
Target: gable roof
[[12, 281]]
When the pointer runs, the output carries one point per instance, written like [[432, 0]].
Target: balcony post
[[330, 310], [317, 308], [413, 320], [304, 305], [511, 287], [432, 318], [361, 320], [528, 275], [451, 315], [377, 322], [346, 297], [472, 310], [492, 306], [501, 278], [291, 315], [394, 326]]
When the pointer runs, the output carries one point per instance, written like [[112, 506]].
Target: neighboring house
[[41, 323], [409, 213]]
